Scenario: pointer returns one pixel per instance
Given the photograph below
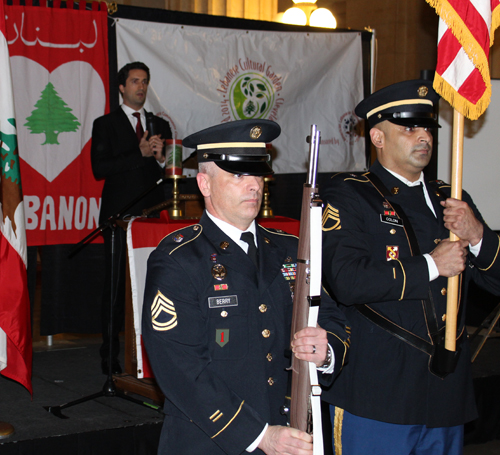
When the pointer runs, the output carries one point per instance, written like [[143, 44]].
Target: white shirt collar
[[129, 111], [405, 180], [233, 232]]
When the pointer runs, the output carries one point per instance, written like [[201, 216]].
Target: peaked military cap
[[407, 103], [238, 147]]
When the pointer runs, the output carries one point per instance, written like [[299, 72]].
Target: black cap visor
[[241, 163], [411, 119], [258, 168]]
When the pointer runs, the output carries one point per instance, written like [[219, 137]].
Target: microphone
[[151, 124]]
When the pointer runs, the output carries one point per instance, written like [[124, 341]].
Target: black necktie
[[418, 191], [139, 130], [252, 249]]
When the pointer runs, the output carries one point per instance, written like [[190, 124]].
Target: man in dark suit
[[217, 310], [130, 161], [386, 259]]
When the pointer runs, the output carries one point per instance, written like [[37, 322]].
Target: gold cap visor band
[[227, 145], [398, 103]]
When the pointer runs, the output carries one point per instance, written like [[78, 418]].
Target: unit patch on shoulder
[[163, 314], [331, 219]]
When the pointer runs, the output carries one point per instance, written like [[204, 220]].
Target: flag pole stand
[[456, 192]]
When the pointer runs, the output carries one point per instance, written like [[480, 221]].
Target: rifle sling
[[428, 306]]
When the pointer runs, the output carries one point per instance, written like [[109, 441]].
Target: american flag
[[465, 34]]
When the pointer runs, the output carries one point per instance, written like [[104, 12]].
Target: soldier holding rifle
[[218, 308], [386, 259]]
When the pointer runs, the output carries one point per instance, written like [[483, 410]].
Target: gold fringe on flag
[[458, 102]]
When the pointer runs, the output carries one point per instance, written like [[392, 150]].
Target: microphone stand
[[109, 389]]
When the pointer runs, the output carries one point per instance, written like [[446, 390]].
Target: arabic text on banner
[[59, 60]]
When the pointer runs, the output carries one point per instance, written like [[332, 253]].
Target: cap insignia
[[255, 132], [423, 91]]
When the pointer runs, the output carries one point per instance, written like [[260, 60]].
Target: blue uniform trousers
[[353, 435]]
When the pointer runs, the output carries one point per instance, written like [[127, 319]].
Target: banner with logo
[[59, 60], [203, 76]]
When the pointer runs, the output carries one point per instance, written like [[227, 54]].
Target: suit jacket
[[216, 329], [117, 159], [386, 378]]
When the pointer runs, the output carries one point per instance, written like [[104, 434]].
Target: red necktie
[[139, 131]]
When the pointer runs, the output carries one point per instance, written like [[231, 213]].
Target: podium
[[143, 235]]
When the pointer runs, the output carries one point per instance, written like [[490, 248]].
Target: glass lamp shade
[[294, 16], [322, 18]]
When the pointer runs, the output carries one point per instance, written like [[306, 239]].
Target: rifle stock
[[306, 301]]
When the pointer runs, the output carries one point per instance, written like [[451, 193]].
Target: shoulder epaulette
[[439, 183], [174, 240], [277, 232], [356, 176]]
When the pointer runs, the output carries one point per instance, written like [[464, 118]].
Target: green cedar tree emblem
[[9, 157], [51, 116]]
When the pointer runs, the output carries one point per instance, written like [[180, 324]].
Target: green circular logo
[[251, 96]]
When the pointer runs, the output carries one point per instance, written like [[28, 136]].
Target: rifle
[[305, 404]]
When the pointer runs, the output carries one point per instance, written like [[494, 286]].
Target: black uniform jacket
[[386, 378], [216, 330], [116, 157]]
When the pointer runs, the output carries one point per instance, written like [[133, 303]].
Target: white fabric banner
[[203, 76]]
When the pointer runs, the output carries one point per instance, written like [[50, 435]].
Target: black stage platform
[[67, 371], [70, 369]]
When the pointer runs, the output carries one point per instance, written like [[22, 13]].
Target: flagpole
[[456, 192]]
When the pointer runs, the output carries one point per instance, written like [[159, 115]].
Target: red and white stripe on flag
[[466, 29], [15, 326]]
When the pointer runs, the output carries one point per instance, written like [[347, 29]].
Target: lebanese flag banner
[[15, 325], [465, 34], [59, 61], [203, 76]]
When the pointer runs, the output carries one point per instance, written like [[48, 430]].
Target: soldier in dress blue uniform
[[386, 260], [216, 320]]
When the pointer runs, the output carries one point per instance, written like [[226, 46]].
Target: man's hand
[[459, 219], [311, 344], [144, 145], [450, 257], [286, 440], [156, 144]]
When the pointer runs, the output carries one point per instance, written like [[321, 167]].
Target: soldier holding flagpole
[[386, 259]]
